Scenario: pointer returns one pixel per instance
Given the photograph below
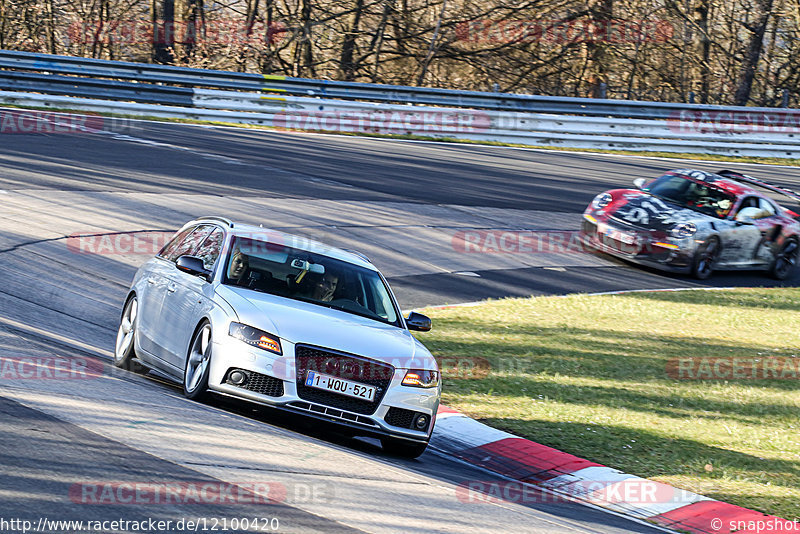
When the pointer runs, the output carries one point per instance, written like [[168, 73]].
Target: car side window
[[766, 207], [190, 243], [210, 249], [173, 243]]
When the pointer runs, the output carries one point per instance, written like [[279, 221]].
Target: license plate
[[624, 237], [340, 385]]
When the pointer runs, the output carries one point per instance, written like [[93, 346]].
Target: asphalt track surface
[[123, 427]]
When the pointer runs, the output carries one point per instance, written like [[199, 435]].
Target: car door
[[150, 293], [164, 328], [183, 303], [740, 238]]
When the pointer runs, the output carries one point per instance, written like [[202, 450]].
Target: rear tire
[[403, 448], [785, 261], [198, 364], [704, 258], [125, 348]]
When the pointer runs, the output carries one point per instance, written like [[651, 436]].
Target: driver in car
[[326, 287], [238, 267]]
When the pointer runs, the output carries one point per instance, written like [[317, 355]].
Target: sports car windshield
[[308, 277], [694, 194]]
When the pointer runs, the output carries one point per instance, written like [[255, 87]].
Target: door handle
[[171, 288], [151, 281]]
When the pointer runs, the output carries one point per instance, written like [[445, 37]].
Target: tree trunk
[[753, 54]]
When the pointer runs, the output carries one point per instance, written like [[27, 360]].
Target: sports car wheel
[[195, 374], [401, 447], [704, 258], [785, 261], [125, 349]]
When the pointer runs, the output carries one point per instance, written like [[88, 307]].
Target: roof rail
[[739, 177], [223, 220], [359, 254]]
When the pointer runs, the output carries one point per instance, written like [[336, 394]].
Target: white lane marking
[[467, 273], [3, 192]]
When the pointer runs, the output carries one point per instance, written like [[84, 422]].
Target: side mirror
[[747, 215], [194, 266], [419, 322], [639, 183]]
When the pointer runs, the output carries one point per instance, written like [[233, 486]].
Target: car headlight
[[601, 201], [257, 338], [419, 378], [683, 230]]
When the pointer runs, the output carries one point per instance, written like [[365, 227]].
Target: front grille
[[258, 383], [332, 412], [341, 365], [402, 418]]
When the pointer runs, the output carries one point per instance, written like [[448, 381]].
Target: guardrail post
[[601, 90], [785, 99], [691, 97]]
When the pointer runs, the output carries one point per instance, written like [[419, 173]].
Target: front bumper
[[277, 388], [638, 245]]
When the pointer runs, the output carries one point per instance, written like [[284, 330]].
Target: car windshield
[[301, 275], [696, 195]]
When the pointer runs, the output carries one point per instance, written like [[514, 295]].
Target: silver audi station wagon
[[283, 321]]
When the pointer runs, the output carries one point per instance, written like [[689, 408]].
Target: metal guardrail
[[295, 103], [167, 74]]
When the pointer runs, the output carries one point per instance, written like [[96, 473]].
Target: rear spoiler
[[794, 195]]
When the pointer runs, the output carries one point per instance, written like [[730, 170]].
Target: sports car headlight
[[421, 379], [257, 338], [684, 230], [601, 201]]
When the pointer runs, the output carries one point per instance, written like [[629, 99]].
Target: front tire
[[125, 348], [198, 364], [704, 258], [403, 448], [785, 261]]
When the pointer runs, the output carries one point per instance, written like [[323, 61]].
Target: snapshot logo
[[564, 31], [46, 122], [734, 122], [634, 491], [49, 368], [198, 492], [732, 368], [385, 122], [167, 32]]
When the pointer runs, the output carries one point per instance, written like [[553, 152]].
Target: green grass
[[672, 155], [587, 375]]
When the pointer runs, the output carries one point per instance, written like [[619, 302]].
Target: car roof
[[291, 240], [726, 184]]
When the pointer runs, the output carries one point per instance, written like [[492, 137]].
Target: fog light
[[237, 378], [421, 422]]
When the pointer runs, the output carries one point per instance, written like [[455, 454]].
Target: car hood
[[301, 322], [644, 210]]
